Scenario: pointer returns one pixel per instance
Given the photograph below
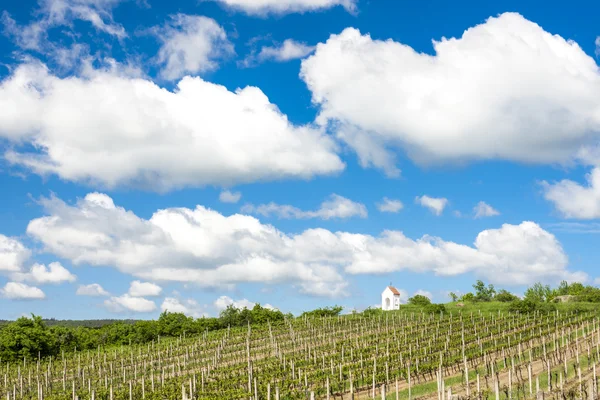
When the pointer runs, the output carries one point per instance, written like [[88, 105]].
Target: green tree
[[27, 338], [505, 296], [453, 296], [469, 297], [538, 293], [483, 293], [419, 300]]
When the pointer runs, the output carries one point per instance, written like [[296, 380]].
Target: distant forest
[[73, 323]]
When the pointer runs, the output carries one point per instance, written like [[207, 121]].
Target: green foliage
[[582, 293], [483, 293], [505, 296], [324, 312], [419, 300], [435, 308], [468, 297], [453, 296], [30, 337], [26, 338], [526, 306], [372, 311], [538, 293]]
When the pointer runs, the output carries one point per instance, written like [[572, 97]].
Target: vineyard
[[395, 355]]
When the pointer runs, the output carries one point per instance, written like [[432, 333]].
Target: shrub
[[419, 300], [530, 306], [505, 296], [435, 308]]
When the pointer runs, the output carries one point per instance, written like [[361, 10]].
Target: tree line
[[31, 338]]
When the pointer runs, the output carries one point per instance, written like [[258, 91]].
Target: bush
[[505, 296], [435, 308], [529, 306], [372, 311], [419, 300]]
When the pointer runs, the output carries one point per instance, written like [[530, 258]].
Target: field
[[470, 353]]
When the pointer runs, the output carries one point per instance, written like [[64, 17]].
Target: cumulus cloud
[[227, 196], [334, 207], [201, 246], [13, 254], [55, 13], [93, 289], [506, 89], [21, 291], [390, 205], [482, 209], [263, 7], [144, 289], [286, 51], [179, 244], [574, 200], [434, 204], [41, 274], [129, 303], [225, 301], [511, 255], [191, 44], [146, 136]]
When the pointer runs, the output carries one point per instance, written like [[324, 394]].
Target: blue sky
[[189, 155]]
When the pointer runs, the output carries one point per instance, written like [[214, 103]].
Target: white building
[[390, 299]]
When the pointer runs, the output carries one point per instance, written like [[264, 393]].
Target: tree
[[505, 296], [419, 300], [538, 293], [483, 293], [453, 296]]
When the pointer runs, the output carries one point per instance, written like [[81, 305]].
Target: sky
[[189, 155]]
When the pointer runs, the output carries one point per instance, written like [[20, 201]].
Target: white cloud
[[512, 255], [200, 246], [21, 291], [144, 135], [575, 227], [191, 44], [144, 289], [288, 50], [573, 200], [188, 307], [262, 7], [13, 254], [597, 43], [129, 303], [390, 205], [42, 274], [482, 209], [435, 205], [225, 301], [93, 289], [227, 196], [197, 245], [334, 207], [55, 13], [506, 89]]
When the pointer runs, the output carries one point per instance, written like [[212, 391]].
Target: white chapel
[[390, 299]]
